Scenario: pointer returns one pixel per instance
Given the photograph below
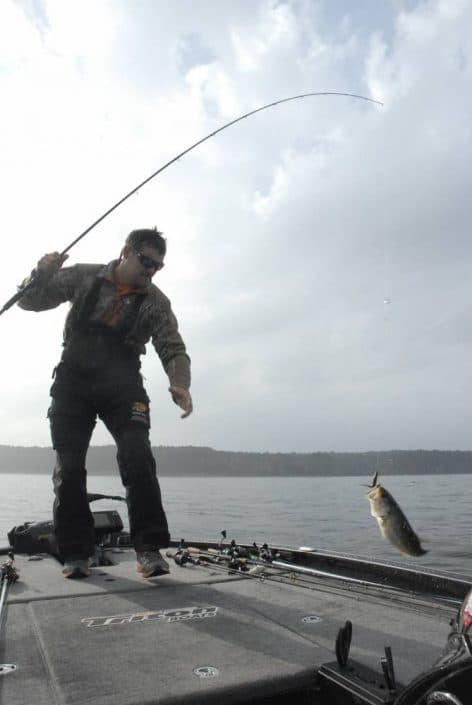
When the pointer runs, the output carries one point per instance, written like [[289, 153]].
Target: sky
[[318, 252]]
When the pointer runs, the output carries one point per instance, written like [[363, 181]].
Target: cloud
[[191, 51], [276, 27], [287, 232]]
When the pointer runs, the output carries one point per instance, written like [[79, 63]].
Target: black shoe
[[151, 563]]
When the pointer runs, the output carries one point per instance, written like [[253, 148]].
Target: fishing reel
[[183, 555], [8, 572], [264, 553], [237, 557], [232, 558]]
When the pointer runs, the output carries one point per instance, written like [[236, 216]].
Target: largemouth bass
[[393, 524]]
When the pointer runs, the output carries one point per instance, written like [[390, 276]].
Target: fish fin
[[373, 482]]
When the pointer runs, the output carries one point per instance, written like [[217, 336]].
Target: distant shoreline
[[97, 473], [194, 461]]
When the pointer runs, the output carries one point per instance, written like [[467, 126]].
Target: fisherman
[[115, 310]]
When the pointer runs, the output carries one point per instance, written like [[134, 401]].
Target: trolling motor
[[38, 537]]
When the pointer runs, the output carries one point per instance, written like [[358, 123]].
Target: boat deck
[[198, 635]]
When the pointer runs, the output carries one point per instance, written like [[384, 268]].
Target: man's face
[[141, 264]]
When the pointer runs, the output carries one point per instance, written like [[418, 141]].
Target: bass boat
[[230, 624]]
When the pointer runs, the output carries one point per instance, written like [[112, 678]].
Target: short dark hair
[[147, 236]]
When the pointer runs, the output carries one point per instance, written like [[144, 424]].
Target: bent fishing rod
[[22, 289]]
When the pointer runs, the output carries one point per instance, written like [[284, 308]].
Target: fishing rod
[[283, 574], [252, 562], [8, 575], [22, 289], [267, 564]]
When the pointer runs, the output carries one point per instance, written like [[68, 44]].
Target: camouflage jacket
[[153, 319]]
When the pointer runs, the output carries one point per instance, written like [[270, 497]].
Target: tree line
[[204, 462]]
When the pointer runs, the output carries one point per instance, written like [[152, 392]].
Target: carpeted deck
[[195, 636]]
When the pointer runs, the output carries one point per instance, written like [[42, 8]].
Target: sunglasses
[[148, 262]]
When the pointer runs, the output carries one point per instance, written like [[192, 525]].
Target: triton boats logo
[[181, 614]]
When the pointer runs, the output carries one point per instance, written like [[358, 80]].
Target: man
[[115, 310]]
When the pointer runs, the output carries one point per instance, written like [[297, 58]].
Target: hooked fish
[[393, 524]]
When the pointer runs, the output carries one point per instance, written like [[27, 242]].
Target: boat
[[231, 623]]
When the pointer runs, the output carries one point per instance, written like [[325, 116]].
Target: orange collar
[[121, 287]]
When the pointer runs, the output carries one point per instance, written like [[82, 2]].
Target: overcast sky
[[319, 253]]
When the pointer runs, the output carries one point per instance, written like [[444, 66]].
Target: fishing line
[[22, 289]]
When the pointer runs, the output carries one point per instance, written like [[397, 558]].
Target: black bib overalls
[[99, 375]]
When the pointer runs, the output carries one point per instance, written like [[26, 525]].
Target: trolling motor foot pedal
[[346, 678], [364, 685], [343, 644]]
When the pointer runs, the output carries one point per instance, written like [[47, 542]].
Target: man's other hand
[[182, 398]]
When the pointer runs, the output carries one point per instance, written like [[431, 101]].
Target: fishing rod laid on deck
[[265, 563], [8, 576], [22, 289], [279, 565]]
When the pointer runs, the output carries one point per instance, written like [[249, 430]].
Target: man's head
[[142, 256]]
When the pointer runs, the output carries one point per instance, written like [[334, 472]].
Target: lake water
[[325, 513]]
